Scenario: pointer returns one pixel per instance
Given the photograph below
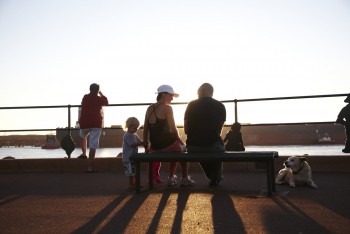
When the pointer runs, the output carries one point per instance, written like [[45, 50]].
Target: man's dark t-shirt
[[204, 118]]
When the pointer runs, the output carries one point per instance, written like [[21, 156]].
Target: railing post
[[236, 115], [69, 106]]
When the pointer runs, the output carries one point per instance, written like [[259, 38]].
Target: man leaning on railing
[[344, 118], [90, 122]]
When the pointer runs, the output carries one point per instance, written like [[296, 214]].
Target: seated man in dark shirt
[[204, 119]]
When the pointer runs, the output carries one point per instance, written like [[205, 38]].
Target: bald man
[[204, 119]]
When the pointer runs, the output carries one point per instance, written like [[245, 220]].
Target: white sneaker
[[172, 181], [187, 182]]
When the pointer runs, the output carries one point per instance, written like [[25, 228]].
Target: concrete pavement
[[79, 202]]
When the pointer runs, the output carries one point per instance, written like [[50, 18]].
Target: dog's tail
[[280, 177]]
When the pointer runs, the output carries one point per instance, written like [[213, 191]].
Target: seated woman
[[160, 130]]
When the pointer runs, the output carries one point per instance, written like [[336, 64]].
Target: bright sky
[[51, 51]]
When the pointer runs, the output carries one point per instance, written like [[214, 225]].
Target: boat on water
[[50, 143], [326, 139]]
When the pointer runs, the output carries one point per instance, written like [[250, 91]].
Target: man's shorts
[[129, 168], [94, 133]]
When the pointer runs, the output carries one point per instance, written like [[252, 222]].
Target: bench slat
[[247, 156]]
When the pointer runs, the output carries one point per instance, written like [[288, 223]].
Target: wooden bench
[[228, 156]]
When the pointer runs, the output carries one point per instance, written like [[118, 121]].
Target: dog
[[296, 170]]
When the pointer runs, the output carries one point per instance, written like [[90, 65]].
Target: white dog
[[296, 170]]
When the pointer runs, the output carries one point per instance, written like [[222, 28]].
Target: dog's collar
[[301, 168]]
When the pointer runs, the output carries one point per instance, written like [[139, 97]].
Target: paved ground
[[101, 203]]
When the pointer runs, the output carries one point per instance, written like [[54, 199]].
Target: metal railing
[[235, 101]]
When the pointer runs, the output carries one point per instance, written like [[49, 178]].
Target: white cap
[[166, 89]]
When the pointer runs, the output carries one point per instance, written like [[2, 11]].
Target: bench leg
[[137, 177], [273, 175], [150, 175], [269, 177]]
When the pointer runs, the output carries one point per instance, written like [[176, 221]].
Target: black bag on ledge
[[68, 144]]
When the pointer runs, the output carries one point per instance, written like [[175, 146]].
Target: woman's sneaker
[[187, 182], [172, 181]]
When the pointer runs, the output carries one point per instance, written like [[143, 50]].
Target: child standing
[[234, 138], [131, 141]]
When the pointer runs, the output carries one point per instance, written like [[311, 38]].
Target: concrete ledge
[[318, 164], [57, 165]]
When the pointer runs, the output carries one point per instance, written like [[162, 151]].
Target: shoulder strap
[[153, 111]]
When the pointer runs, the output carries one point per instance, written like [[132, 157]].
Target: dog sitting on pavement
[[296, 170]]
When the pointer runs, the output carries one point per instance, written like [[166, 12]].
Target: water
[[28, 152]]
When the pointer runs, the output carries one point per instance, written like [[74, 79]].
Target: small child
[[234, 138], [131, 141]]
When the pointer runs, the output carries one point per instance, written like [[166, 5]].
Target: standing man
[[204, 119], [90, 121], [344, 118]]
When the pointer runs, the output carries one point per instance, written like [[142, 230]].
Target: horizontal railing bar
[[183, 103], [66, 106], [35, 107], [284, 98], [29, 130], [145, 104], [296, 123]]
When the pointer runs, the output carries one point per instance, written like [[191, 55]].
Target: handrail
[[34, 107], [183, 103], [235, 101], [284, 98]]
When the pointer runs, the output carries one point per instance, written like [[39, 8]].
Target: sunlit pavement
[[102, 203]]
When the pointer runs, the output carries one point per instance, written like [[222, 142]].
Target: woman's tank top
[[160, 133]]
